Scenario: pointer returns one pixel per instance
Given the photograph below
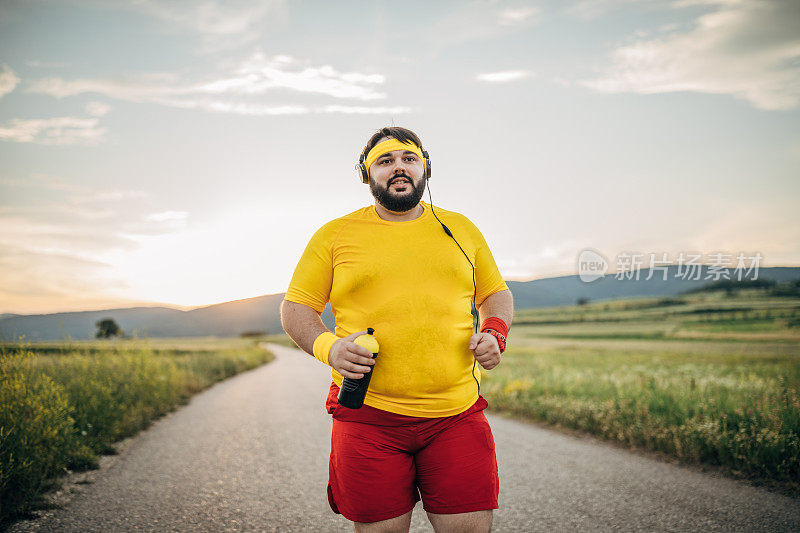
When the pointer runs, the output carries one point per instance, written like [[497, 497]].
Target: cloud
[[59, 227], [366, 110], [504, 76], [239, 91], [97, 109], [512, 17], [78, 194], [256, 75], [140, 89], [32, 273], [105, 196], [12, 182], [480, 20], [750, 50], [74, 201], [260, 73], [167, 215], [47, 64], [236, 108], [59, 130], [221, 24], [8, 80], [208, 17], [160, 223], [54, 183], [589, 9]]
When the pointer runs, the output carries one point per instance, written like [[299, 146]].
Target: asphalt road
[[250, 454]]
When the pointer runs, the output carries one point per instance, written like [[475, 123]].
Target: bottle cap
[[368, 341]]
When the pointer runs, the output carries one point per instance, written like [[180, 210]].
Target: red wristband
[[496, 324], [498, 329]]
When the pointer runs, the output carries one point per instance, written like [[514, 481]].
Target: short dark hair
[[401, 134]]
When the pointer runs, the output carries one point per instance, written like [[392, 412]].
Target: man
[[410, 271]]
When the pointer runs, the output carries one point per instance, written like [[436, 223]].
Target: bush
[[38, 438], [60, 411]]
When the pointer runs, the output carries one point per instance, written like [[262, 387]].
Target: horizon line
[[186, 308]]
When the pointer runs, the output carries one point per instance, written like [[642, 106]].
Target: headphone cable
[[473, 308]]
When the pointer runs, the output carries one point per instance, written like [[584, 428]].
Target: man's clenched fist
[[485, 349]]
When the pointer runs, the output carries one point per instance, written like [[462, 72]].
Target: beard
[[399, 203]]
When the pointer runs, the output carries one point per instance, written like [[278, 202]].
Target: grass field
[[63, 404], [748, 316], [704, 378]]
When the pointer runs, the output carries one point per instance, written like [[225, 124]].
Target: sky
[[183, 152]]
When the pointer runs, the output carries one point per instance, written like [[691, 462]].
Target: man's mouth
[[400, 182]]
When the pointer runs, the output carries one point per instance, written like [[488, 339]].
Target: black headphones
[[363, 172]]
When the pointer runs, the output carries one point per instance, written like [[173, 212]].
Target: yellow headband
[[388, 146]]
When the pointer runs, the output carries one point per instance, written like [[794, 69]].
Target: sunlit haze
[[183, 153]]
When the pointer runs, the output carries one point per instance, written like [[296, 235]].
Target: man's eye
[[411, 158], [382, 161]]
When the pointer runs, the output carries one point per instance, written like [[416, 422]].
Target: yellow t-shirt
[[410, 282]]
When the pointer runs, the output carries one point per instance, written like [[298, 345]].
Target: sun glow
[[234, 256]]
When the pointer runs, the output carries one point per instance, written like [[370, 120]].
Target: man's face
[[396, 180]]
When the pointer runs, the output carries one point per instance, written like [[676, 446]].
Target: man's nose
[[399, 167]]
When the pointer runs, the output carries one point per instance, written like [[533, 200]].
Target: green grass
[[654, 374], [64, 404], [747, 316], [737, 326]]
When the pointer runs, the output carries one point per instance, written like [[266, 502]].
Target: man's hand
[[486, 350], [349, 359]]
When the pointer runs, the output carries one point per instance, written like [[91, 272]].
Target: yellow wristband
[[323, 344]]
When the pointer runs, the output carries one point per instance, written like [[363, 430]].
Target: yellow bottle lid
[[368, 341]]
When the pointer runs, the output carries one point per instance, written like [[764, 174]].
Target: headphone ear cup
[[361, 171], [427, 164]]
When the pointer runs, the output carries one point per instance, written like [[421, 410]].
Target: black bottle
[[352, 391]]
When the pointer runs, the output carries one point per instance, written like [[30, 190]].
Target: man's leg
[[371, 478], [457, 474], [399, 524], [474, 522]]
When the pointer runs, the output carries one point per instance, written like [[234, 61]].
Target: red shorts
[[381, 462]]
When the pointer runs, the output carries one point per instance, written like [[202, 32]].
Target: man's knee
[[472, 522], [398, 524]]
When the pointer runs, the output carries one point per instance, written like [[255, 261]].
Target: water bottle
[[352, 391]]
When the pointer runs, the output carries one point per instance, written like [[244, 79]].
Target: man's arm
[[499, 304], [483, 345], [303, 324]]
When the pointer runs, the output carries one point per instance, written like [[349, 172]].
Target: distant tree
[[583, 300], [670, 301], [253, 333], [107, 328]]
